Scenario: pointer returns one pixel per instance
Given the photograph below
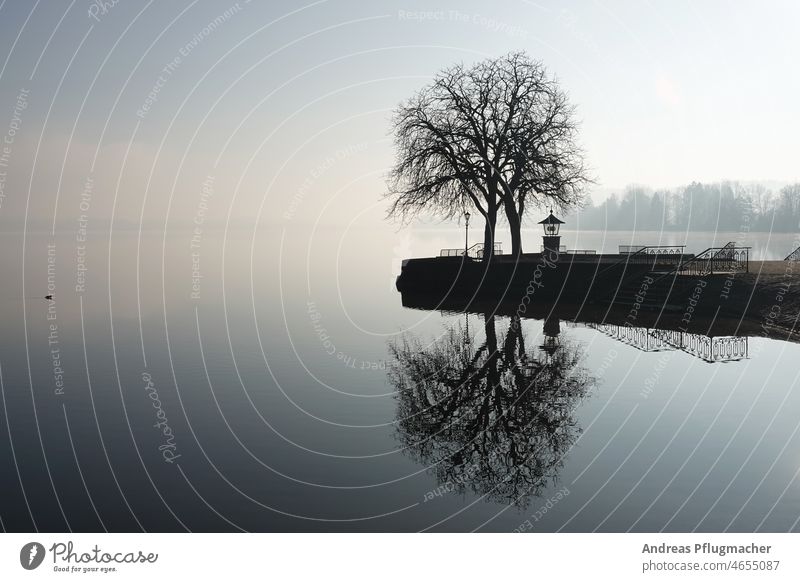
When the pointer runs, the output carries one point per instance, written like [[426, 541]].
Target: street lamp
[[551, 226], [466, 233], [551, 330]]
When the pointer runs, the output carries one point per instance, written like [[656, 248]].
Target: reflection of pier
[[708, 349], [640, 338]]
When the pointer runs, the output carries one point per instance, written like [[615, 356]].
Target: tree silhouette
[[498, 135], [495, 419]]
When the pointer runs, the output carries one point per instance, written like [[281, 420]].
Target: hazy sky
[[283, 107]]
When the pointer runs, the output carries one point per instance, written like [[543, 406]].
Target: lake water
[[273, 381]]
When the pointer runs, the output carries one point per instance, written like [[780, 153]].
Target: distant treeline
[[726, 206]]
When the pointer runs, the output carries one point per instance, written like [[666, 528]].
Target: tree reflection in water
[[493, 418]]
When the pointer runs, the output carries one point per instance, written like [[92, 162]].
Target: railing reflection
[[706, 348], [638, 337]]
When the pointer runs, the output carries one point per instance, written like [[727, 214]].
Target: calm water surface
[[276, 383]]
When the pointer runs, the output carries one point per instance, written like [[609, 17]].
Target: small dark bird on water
[[50, 297]]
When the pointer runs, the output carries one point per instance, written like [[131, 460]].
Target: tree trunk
[[488, 234], [515, 225], [492, 371], [491, 334], [513, 337]]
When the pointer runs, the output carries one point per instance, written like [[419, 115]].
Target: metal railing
[[628, 249], [628, 255], [794, 255], [563, 249], [727, 259], [669, 254], [475, 251], [724, 251], [651, 249]]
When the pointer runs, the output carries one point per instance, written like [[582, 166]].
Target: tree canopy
[[499, 135]]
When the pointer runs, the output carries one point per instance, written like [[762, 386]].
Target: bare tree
[[498, 135]]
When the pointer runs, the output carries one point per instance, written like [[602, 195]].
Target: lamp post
[[551, 329], [551, 240], [466, 233]]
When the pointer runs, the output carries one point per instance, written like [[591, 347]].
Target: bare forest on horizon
[[725, 206]]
